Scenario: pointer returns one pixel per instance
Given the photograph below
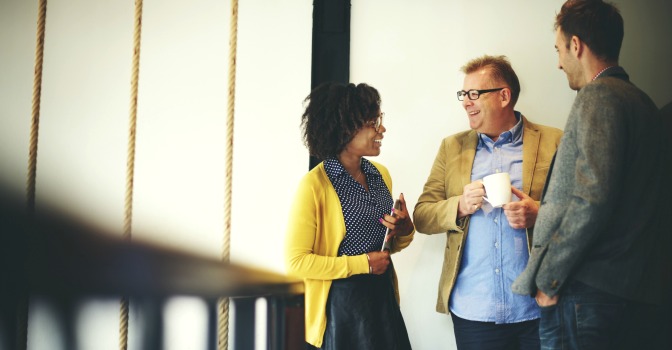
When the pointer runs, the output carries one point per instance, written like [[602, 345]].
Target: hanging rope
[[37, 94], [22, 307], [223, 325], [130, 162]]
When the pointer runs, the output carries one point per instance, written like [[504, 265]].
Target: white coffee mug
[[497, 189]]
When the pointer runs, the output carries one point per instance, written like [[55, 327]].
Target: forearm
[[439, 216], [306, 264], [580, 228]]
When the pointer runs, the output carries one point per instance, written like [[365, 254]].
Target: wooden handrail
[[55, 256]]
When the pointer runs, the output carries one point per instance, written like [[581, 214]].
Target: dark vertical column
[[275, 325], [331, 44], [243, 338], [212, 324], [151, 311], [285, 323], [66, 317]]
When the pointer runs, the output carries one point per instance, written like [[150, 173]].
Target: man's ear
[[576, 46], [505, 96]]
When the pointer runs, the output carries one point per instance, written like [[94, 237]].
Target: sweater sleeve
[[313, 235]]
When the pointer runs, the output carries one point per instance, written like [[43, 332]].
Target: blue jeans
[[587, 318]]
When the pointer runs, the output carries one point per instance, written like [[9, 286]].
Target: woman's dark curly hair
[[334, 114]]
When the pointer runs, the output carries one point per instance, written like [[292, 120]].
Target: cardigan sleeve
[[314, 233]]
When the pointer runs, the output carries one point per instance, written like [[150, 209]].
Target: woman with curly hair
[[338, 222]]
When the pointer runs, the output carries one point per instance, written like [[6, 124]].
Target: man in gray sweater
[[597, 266]]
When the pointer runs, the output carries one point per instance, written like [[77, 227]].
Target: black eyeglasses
[[474, 94], [376, 123]]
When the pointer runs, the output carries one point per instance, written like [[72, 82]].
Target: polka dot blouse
[[361, 209]]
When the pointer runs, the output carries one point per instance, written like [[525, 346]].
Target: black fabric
[[362, 313], [476, 335]]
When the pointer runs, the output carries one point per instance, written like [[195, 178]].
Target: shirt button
[[497, 271], [496, 244]]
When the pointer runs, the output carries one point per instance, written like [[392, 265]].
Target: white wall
[[410, 51]]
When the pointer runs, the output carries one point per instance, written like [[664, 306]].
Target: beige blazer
[[436, 209]]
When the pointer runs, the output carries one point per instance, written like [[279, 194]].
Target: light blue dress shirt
[[494, 253]]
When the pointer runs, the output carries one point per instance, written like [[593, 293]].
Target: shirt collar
[[512, 135], [602, 72], [335, 169], [614, 71]]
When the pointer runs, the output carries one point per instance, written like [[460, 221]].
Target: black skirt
[[362, 313]]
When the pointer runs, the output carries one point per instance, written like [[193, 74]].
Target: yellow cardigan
[[315, 230]]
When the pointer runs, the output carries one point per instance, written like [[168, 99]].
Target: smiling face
[[486, 114], [366, 142], [568, 62]]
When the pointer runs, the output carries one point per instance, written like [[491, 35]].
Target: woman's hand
[[399, 222], [378, 262]]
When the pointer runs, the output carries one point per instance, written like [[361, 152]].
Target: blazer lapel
[[467, 156], [531, 138]]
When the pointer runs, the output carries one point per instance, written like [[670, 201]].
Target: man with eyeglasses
[[487, 247], [600, 261]]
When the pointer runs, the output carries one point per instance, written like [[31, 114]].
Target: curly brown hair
[[334, 114]]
